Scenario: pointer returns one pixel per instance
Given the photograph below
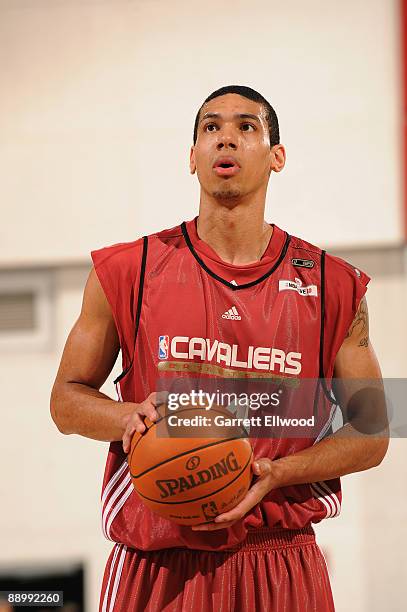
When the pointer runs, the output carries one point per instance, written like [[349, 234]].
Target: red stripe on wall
[[404, 64]]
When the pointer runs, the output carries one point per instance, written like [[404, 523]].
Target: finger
[[161, 397], [212, 526], [256, 468], [127, 438], [262, 467], [148, 408], [151, 412], [157, 398], [136, 425], [126, 442], [254, 495]]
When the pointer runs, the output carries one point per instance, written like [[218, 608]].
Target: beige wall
[[366, 543], [91, 92], [98, 100]]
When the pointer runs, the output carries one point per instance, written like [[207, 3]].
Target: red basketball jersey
[[182, 312]]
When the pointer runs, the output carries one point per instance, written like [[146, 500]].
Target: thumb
[[261, 467]]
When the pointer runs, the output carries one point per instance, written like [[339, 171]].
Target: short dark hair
[[251, 94]]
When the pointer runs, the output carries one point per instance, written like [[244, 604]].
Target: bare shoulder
[[92, 344], [95, 303], [359, 330], [356, 358]]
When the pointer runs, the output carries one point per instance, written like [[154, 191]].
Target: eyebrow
[[237, 116]]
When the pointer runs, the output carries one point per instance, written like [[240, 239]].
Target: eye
[[208, 125], [248, 124]]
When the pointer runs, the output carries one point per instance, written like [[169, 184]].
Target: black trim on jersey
[[139, 304], [322, 330], [222, 280], [321, 375]]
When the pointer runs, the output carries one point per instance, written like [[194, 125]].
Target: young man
[[223, 295]]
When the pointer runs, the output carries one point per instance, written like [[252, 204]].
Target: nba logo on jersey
[[162, 347]]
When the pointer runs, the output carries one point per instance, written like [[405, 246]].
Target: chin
[[228, 193]]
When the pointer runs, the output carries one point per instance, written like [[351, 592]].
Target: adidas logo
[[232, 314]]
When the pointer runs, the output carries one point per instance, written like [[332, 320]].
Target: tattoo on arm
[[360, 324]]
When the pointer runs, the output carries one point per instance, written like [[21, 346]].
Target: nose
[[226, 140]]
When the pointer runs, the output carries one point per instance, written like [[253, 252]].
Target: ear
[[192, 164], [278, 157]]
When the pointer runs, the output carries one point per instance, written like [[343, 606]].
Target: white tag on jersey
[[296, 285]]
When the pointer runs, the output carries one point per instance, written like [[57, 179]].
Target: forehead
[[233, 103]]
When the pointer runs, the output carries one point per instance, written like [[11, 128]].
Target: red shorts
[[273, 570]]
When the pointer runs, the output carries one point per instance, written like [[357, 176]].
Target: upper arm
[[356, 357], [358, 384], [92, 346]]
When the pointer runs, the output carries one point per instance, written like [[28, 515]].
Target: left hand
[[266, 481]]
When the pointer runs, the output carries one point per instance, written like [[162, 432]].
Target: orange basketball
[[190, 480]]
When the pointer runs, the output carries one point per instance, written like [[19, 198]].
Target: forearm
[[80, 409], [345, 452]]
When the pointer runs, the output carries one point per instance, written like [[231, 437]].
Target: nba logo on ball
[[163, 347]]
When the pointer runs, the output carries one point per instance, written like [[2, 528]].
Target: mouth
[[226, 166]]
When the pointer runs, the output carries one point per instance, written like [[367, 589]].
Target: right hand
[[135, 422]]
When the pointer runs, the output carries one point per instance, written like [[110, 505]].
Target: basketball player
[[297, 313]]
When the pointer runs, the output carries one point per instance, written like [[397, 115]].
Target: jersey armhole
[[109, 298], [138, 311], [321, 374]]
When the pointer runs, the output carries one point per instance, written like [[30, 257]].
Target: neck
[[239, 235]]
